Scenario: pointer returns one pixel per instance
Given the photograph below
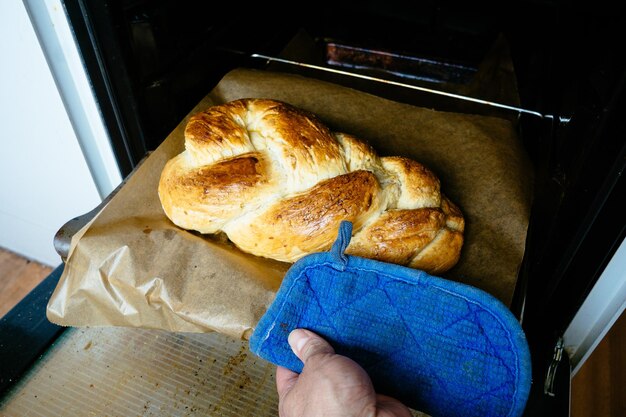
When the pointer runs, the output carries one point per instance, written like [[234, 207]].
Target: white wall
[[44, 179]]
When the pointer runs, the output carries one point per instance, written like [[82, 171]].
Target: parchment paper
[[133, 267]]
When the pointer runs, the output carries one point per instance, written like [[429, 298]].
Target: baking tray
[[138, 372]]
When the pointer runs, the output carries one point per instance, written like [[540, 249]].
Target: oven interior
[[554, 69]]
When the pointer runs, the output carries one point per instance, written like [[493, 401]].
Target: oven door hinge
[[548, 386]]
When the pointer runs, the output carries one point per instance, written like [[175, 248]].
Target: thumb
[[306, 344]]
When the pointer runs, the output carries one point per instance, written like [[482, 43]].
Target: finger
[[285, 380], [306, 344], [390, 407]]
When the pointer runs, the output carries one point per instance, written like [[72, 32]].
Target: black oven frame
[[570, 71]]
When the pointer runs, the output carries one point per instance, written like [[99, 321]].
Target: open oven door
[[570, 118]]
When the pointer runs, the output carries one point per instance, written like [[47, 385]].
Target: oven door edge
[[26, 332]]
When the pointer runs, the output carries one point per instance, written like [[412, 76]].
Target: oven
[[553, 69]]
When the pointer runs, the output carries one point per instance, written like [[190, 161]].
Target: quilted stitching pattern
[[438, 346]]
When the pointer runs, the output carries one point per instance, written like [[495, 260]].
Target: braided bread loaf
[[278, 182]]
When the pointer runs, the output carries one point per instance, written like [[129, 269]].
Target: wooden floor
[[598, 389], [18, 276]]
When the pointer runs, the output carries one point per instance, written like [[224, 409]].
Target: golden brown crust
[[308, 222], [202, 198], [397, 235], [419, 186], [441, 254], [217, 132], [278, 182], [454, 217]]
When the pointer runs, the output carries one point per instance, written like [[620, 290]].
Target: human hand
[[329, 385]]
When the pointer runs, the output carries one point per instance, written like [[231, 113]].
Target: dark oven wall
[[150, 62]]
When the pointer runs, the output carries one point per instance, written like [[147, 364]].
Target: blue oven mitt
[[440, 347]]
